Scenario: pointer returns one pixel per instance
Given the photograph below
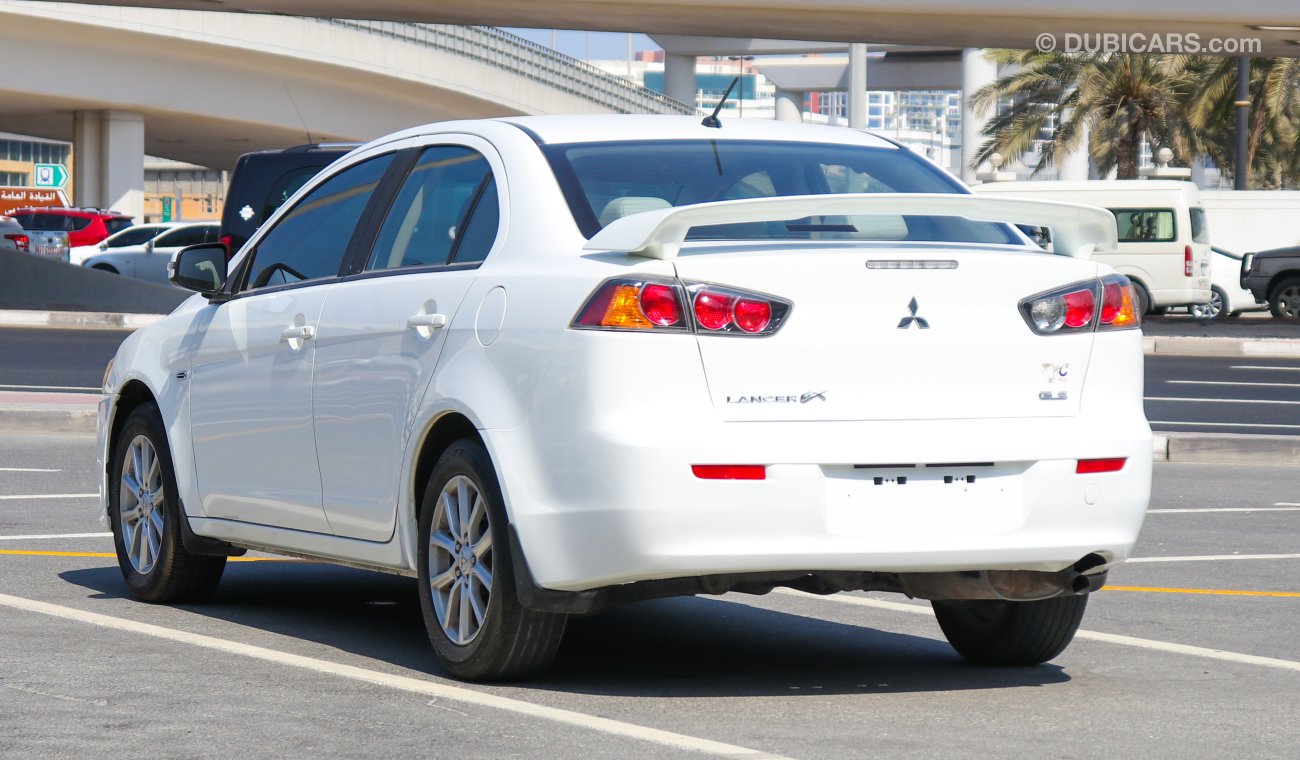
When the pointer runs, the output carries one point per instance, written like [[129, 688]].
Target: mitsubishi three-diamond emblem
[[921, 323]]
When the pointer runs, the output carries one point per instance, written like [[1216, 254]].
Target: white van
[[1164, 247]]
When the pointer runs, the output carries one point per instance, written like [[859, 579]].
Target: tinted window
[[1145, 225], [286, 186], [135, 237], [311, 240], [179, 238], [426, 222], [45, 222], [481, 229], [1199, 233], [113, 225], [81, 223], [606, 181]]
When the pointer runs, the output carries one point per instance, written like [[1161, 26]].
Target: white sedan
[[127, 237], [148, 260], [549, 365]]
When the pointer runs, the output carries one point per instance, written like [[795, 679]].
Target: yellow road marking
[[1207, 591], [37, 553]]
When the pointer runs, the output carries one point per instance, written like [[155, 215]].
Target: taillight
[[1187, 261], [226, 240], [630, 303], [1075, 308], [729, 471], [21, 242], [1092, 466]]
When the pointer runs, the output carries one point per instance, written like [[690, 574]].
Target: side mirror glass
[[200, 268]]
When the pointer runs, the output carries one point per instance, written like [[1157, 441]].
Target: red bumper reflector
[[730, 471], [1089, 466]]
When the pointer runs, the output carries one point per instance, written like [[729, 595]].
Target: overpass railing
[[527, 59]]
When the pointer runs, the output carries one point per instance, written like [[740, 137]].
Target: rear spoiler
[[1077, 230]]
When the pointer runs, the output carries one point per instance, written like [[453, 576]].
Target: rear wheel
[[1212, 310], [144, 511], [1285, 301], [1143, 298], [994, 632], [105, 268], [477, 626]]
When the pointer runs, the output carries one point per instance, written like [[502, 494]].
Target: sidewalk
[[35, 413]]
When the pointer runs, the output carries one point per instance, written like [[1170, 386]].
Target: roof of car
[[605, 128], [70, 211]]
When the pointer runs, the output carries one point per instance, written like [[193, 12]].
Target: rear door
[[384, 327]]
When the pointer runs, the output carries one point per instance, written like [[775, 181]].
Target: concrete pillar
[[1073, 167], [858, 85], [789, 105], [976, 71], [679, 78], [109, 167]]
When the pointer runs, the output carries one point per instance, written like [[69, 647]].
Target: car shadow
[[682, 647]]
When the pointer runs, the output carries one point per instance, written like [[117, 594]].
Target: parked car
[[85, 226], [135, 235], [13, 237], [262, 181], [548, 365], [1228, 298], [1273, 277], [1164, 243], [149, 260]]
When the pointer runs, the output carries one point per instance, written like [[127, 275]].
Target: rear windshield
[[46, 222], [1199, 233], [609, 180]]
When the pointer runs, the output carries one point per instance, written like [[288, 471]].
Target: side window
[[481, 229], [311, 240], [427, 222], [1150, 225], [181, 238]]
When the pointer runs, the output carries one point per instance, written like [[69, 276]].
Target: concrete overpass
[[959, 23], [206, 87]]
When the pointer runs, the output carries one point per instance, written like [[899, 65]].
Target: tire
[[1143, 299], [1284, 301], [1010, 633], [478, 628], [105, 268], [1214, 310], [147, 534]]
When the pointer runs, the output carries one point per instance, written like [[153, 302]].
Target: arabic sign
[[23, 197], [51, 175]]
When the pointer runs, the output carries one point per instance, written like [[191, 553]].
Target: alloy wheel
[[460, 560], [1288, 300], [141, 501]]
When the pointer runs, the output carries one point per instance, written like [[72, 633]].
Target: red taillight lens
[[713, 310], [1091, 466], [730, 471], [753, 316], [1079, 308], [1118, 304], [659, 304], [1187, 261], [21, 242]]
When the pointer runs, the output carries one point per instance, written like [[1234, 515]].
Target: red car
[[85, 226]]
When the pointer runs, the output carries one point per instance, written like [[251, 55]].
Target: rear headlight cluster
[[1105, 304], [626, 303], [20, 241]]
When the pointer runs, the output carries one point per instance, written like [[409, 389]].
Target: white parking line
[[1212, 557], [16, 497], [404, 683], [48, 388], [1110, 638], [55, 535], [26, 469], [1222, 509], [1283, 369], [1286, 504], [1226, 382], [1223, 400]]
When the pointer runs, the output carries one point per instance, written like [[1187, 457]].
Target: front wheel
[[478, 628], [144, 511], [1285, 301], [994, 632]]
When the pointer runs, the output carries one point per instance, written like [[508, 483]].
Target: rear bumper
[[616, 505]]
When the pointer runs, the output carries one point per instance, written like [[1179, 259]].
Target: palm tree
[[1116, 99]]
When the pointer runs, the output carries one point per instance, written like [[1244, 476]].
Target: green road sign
[[167, 208], [51, 175]]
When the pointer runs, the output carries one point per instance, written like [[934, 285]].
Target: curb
[[76, 320], [19, 421], [1277, 348]]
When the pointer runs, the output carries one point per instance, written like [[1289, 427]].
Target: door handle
[[426, 321], [303, 332]]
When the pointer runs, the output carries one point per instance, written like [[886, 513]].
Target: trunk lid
[[867, 339]]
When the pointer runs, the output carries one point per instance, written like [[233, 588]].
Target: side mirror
[[200, 268]]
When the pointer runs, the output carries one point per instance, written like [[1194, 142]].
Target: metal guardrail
[[527, 59]]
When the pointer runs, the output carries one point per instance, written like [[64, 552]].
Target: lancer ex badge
[[906, 322]]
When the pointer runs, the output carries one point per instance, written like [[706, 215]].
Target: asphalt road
[[1191, 652], [1202, 395]]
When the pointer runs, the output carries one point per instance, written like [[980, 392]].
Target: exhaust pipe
[[1007, 585]]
